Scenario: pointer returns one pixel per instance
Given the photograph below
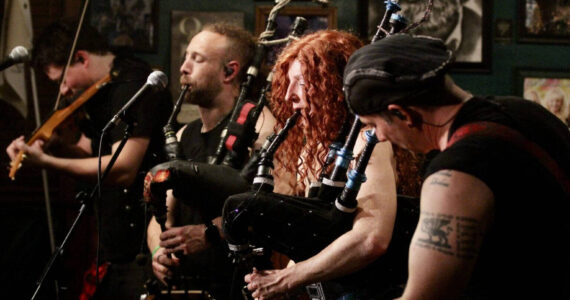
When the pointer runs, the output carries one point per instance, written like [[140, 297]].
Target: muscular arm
[[368, 239], [123, 172], [456, 209], [153, 232], [372, 228]]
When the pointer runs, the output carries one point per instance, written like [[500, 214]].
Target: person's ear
[[408, 116], [231, 70], [398, 114], [81, 56], [397, 111], [228, 71]]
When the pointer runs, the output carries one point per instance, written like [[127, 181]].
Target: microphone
[[18, 55], [156, 79]]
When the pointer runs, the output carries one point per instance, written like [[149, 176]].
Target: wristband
[[155, 250]]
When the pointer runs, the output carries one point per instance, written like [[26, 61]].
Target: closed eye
[[198, 58]]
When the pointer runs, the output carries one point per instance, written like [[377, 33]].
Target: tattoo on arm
[[441, 178], [451, 235]]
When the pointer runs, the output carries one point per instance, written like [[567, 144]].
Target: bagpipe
[[206, 186], [239, 134], [300, 227], [209, 184]]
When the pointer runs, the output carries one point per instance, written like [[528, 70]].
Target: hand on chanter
[[163, 264], [268, 284], [187, 239]]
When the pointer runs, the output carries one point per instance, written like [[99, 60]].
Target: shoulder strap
[[493, 129]]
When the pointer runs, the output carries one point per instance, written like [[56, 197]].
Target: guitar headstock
[[16, 164]]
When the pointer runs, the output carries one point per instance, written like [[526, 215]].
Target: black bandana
[[397, 69]]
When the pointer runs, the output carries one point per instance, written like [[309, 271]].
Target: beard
[[204, 96], [442, 20]]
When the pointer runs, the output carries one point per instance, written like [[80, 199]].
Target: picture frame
[[543, 21], [184, 26], [464, 25], [317, 17], [549, 88], [132, 23]]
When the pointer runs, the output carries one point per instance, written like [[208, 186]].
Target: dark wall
[[21, 202], [22, 210], [346, 11], [505, 56]]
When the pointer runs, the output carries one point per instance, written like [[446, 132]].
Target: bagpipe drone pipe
[[290, 213], [334, 192], [239, 134], [207, 185], [300, 227]]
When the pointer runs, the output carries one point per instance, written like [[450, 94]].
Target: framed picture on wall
[[544, 21], [184, 26], [317, 17], [464, 25], [549, 88], [132, 23]]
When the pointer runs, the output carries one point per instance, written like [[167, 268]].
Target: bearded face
[[203, 93], [202, 68]]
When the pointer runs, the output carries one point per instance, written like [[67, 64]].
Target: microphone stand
[[84, 200]]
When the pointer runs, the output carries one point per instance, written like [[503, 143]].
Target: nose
[[379, 135], [294, 95], [186, 67], [64, 90]]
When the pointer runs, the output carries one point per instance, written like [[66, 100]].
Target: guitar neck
[[87, 94], [45, 131]]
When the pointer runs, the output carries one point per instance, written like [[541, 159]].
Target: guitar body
[[45, 131]]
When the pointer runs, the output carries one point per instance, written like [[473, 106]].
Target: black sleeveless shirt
[[524, 254]]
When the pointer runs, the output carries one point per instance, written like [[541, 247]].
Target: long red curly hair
[[323, 56]]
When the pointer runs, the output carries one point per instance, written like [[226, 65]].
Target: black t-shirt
[[121, 209], [525, 252], [196, 145], [211, 265]]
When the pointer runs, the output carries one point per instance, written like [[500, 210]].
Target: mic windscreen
[[19, 54], [157, 79]]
